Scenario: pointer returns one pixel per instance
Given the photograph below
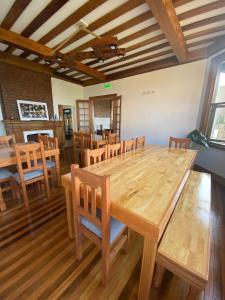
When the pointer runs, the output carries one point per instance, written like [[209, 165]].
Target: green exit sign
[[107, 85]]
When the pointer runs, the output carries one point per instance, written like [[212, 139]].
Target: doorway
[[66, 115]]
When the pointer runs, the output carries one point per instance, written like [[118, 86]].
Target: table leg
[[69, 212], [147, 268]]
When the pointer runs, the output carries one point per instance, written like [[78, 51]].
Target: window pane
[[220, 88], [218, 128]]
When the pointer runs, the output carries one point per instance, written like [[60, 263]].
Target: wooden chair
[[114, 149], [30, 169], [95, 155], [96, 224], [6, 184], [50, 143], [128, 145], [140, 142], [185, 246], [112, 138], [87, 140], [179, 143], [7, 141], [77, 145]]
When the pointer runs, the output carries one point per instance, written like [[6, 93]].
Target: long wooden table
[[145, 186]]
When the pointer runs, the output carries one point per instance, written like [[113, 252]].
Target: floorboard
[[37, 258]]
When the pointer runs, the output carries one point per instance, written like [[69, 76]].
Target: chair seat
[[115, 227], [49, 163], [29, 175], [4, 174]]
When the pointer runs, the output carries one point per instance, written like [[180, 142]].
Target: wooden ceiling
[[156, 34]]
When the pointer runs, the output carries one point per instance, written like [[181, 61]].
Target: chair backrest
[[92, 186], [128, 145], [114, 149], [95, 155], [48, 141], [7, 141], [179, 143], [87, 140], [28, 158], [140, 141], [77, 139], [112, 138]]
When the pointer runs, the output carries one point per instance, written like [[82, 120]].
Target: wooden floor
[[37, 258]]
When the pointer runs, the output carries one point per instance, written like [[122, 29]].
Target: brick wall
[[21, 84], [102, 108]]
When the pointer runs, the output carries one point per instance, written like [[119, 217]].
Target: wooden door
[[83, 115], [116, 115]]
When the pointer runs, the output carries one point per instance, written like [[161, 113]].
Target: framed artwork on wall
[[30, 110]]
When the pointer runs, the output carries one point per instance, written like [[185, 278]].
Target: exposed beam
[[23, 42], [14, 13], [201, 10], [40, 19], [82, 11], [30, 65], [165, 14], [115, 13], [26, 43]]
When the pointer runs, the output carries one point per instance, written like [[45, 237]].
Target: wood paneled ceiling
[[156, 34]]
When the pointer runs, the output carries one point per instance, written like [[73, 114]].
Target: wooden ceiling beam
[[30, 65], [23, 42], [40, 19], [177, 3], [15, 11], [81, 12], [201, 10], [26, 43], [165, 14], [115, 13]]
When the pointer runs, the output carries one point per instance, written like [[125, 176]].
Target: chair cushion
[[49, 163], [29, 175], [4, 174], [115, 227]]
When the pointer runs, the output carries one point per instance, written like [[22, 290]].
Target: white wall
[[172, 108], [66, 93]]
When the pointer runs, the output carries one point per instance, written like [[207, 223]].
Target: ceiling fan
[[103, 48]]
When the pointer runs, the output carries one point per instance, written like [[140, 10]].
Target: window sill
[[219, 145]]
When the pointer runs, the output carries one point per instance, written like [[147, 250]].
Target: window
[[217, 111]]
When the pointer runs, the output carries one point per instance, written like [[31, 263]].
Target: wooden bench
[[185, 246]]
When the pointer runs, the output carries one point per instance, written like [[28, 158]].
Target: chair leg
[[25, 197], [158, 276], [192, 293], [105, 264], [78, 246], [2, 203]]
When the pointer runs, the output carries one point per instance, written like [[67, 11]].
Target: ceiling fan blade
[[84, 55]]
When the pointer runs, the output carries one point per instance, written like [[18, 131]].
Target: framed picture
[[30, 110]]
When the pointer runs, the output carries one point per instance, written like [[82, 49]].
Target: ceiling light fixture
[[100, 60], [113, 46]]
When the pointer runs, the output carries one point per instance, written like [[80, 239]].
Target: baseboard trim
[[215, 177]]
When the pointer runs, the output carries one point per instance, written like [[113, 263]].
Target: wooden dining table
[[98, 141], [145, 185]]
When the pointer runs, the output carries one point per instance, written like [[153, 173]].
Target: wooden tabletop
[[144, 184]]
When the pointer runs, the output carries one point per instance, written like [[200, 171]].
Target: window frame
[[209, 107]]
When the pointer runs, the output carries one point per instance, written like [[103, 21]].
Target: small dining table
[[145, 185], [98, 141]]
